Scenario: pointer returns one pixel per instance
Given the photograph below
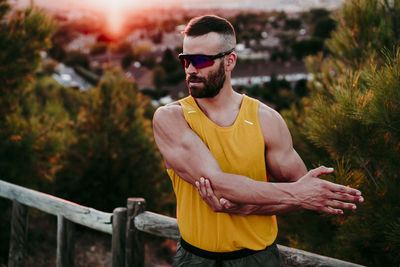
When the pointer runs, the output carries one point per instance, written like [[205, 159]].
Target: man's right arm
[[188, 156]]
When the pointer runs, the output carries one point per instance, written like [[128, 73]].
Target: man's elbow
[[219, 185]]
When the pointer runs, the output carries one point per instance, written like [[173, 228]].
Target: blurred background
[[80, 81]]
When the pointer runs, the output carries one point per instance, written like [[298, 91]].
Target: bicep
[[181, 147], [282, 160]]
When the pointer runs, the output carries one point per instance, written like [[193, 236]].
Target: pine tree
[[114, 156], [353, 115], [32, 125], [22, 37]]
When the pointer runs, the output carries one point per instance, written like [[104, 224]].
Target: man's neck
[[225, 99], [223, 108]]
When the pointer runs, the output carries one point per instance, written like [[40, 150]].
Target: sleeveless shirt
[[239, 149]]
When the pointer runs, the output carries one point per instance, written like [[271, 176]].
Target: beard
[[212, 84]]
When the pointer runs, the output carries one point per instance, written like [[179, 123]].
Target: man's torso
[[239, 149]]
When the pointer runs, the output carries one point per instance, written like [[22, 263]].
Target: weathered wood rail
[[125, 225]]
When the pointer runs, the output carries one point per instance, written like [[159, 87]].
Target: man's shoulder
[[170, 111], [266, 112], [271, 121]]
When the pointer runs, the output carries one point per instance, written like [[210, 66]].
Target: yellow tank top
[[239, 149]]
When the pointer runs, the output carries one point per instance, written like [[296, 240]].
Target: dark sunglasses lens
[[198, 61], [202, 61]]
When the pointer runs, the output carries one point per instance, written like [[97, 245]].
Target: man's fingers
[[198, 188], [207, 194], [347, 197], [208, 188], [336, 188], [210, 192], [227, 204], [341, 205], [320, 171], [331, 210], [211, 196], [203, 187]]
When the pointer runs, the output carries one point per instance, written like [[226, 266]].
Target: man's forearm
[[272, 209], [237, 189], [253, 197]]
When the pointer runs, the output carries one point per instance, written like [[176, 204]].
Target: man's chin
[[195, 90]]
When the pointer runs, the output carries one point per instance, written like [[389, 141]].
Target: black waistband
[[232, 255]]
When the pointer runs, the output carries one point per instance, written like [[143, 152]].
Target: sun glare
[[115, 12]]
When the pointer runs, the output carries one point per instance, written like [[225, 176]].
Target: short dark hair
[[210, 23]]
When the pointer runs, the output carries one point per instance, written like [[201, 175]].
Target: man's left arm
[[223, 205], [282, 161]]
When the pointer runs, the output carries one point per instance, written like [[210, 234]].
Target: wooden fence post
[[65, 242], [19, 233], [118, 237], [134, 238]]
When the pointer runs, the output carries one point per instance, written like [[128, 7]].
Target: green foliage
[[123, 48], [98, 145], [143, 54], [98, 48], [88, 75], [315, 14], [292, 24], [307, 47], [169, 61], [64, 35], [247, 26], [114, 156], [4, 8], [351, 121], [172, 67], [276, 92], [279, 54], [76, 58], [21, 40], [159, 77], [324, 27], [127, 60], [27, 138], [364, 28], [24, 129]]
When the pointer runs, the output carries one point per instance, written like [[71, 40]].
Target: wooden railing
[[125, 225]]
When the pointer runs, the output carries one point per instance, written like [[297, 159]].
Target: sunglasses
[[201, 61]]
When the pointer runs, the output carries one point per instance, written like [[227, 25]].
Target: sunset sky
[[116, 11], [245, 4], [102, 5]]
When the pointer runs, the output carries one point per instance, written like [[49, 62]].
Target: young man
[[219, 148]]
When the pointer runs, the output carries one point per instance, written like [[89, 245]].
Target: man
[[218, 147]]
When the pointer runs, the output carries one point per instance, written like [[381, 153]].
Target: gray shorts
[[269, 257]]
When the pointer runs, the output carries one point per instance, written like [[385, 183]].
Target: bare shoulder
[[273, 126], [171, 111], [269, 116]]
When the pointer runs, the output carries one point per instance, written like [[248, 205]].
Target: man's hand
[[221, 205], [310, 192], [317, 194]]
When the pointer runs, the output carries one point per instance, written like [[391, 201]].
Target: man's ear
[[231, 61]]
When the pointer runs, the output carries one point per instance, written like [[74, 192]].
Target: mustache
[[195, 79]]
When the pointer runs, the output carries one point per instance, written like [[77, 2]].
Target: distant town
[[271, 45]]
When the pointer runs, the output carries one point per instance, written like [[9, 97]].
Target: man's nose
[[191, 69]]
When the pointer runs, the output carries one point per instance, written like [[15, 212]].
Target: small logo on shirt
[[191, 111], [249, 122]]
